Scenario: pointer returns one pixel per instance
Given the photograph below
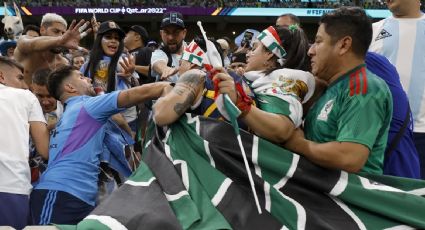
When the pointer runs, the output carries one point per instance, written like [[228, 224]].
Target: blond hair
[[49, 18]]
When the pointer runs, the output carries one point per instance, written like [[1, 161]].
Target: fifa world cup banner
[[187, 11], [193, 177]]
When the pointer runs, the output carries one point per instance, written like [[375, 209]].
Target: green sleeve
[[273, 105]]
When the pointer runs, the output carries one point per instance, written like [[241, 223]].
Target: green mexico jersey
[[357, 108]]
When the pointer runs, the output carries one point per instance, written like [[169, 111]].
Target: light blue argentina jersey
[[402, 41], [76, 146]]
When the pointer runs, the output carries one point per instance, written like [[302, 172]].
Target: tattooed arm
[[187, 91]]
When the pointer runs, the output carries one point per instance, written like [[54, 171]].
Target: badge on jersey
[[324, 113], [383, 34]]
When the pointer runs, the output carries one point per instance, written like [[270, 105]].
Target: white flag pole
[[215, 63]]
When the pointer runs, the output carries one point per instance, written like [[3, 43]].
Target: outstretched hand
[[128, 65], [168, 72], [71, 38]]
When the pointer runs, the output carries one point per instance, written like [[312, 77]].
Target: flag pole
[[230, 106]]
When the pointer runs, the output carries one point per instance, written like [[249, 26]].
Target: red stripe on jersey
[[364, 80], [352, 84], [358, 84]]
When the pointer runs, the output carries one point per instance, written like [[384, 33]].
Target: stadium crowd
[[370, 4], [80, 115]]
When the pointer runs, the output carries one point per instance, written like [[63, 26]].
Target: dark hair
[[40, 77], [96, 55], [31, 27], [293, 18], [352, 22], [203, 45], [11, 63], [56, 79], [295, 43]]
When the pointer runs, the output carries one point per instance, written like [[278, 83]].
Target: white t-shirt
[[402, 41], [18, 107], [159, 55]]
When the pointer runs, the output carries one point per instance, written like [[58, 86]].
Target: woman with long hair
[[108, 69], [276, 72]]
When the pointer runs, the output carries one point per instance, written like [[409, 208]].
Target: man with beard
[[400, 38], [43, 52], [165, 61]]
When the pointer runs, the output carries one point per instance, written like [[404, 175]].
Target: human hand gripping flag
[[228, 109]]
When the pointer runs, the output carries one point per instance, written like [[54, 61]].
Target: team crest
[[323, 116]]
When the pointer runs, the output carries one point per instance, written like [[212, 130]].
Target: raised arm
[[70, 39], [187, 91], [162, 69], [140, 94]]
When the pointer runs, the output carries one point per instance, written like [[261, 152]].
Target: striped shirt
[[402, 41]]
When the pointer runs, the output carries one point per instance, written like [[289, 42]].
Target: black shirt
[[143, 58]]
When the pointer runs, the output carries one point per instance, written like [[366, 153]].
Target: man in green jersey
[[348, 126]]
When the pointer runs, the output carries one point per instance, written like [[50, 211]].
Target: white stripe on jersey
[[402, 41]]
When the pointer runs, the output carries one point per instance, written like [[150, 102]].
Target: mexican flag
[[193, 177]]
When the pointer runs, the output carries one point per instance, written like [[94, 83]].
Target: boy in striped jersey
[[347, 128], [401, 38]]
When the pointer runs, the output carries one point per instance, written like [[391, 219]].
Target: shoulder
[[158, 52], [158, 55], [375, 83], [145, 50], [381, 67], [21, 94], [363, 83]]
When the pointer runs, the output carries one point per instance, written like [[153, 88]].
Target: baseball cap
[[223, 43], [141, 31], [172, 18], [5, 45], [110, 26]]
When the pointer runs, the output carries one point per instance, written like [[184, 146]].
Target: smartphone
[[247, 38]]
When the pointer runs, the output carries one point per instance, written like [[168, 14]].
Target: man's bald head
[[287, 20]]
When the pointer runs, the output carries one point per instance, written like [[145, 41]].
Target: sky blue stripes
[[47, 210], [417, 79]]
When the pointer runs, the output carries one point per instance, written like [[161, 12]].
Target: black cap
[[172, 18], [110, 26], [141, 31]]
